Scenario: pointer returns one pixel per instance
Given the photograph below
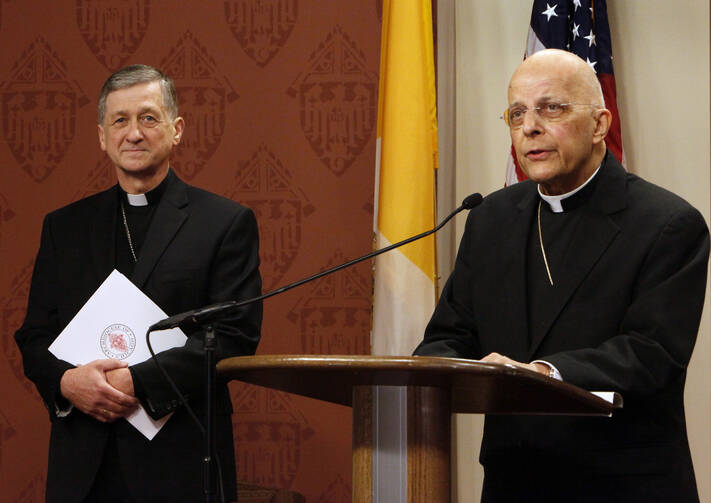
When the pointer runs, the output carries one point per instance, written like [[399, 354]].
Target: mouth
[[538, 154]]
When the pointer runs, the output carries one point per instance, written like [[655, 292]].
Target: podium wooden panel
[[436, 388]]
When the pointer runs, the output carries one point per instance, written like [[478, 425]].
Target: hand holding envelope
[[90, 388], [111, 326]]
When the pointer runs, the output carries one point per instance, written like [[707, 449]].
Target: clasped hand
[[102, 389]]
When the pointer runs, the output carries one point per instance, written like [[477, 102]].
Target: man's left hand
[[497, 358]]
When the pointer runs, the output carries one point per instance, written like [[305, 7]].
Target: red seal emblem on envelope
[[117, 341]]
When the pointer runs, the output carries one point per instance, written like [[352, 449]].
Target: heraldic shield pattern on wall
[[279, 99]]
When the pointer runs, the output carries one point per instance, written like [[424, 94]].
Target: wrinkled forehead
[[144, 96], [529, 88]]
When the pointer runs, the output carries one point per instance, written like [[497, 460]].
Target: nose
[[135, 133], [531, 123]]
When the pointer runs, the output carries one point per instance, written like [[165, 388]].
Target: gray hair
[[139, 74]]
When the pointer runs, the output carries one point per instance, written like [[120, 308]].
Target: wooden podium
[[432, 389]]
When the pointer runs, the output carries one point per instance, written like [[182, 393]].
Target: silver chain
[[130, 242]]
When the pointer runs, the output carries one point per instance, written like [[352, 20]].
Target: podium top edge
[[374, 361], [327, 376]]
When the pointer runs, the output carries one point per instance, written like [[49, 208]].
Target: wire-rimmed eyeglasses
[[551, 111]]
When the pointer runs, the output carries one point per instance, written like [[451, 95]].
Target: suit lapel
[[512, 277], [103, 234], [169, 217], [592, 238]]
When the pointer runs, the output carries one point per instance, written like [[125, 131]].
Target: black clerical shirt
[[138, 220], [558, 231]]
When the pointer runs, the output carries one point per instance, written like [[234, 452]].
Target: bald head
[[578, 76]]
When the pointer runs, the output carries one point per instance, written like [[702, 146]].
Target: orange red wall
[[280, 103]]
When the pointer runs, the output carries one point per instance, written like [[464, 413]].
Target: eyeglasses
[[550, 112]]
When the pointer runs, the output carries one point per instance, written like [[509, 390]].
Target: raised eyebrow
[[142, 111], [549, 99], [541, 101], [150, 110], [117, 114]]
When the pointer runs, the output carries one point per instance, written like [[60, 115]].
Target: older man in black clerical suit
[[184, 248], [598, 280]]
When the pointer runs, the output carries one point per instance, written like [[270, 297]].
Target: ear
[[102, 142], [178, 127], [603, 121]]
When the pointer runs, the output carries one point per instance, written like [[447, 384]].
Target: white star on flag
[[577, 4], [576, 33], [591, 39], [591, 63], [550, 11]]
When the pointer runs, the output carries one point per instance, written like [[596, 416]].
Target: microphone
[[213, 312], [471, 201]]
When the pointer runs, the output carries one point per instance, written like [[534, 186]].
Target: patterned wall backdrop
[[279, 98]]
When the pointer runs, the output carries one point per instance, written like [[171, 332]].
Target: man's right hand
[[88, 390]]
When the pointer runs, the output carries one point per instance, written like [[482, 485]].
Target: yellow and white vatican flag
[[406, 160]]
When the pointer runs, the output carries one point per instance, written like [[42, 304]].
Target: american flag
[[581, 27]]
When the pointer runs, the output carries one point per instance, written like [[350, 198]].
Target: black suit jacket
[[200, 249], [624, 317]]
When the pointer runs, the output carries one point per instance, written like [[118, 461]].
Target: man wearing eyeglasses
[[598, 281]]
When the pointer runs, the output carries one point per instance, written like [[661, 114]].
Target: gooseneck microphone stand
[[204, 318], [210, 448], [210, 455]]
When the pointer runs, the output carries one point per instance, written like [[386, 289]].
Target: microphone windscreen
[[472, 201]]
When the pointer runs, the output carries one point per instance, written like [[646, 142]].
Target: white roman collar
[[555, 201], [137, 199]]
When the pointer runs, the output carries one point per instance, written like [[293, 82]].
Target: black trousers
[[109, 484], [542, 480]]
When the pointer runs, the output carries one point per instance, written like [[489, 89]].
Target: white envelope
[[113, 324]]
